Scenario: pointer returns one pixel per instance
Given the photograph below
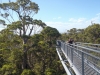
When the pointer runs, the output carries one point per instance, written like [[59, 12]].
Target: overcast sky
[[67, 14]]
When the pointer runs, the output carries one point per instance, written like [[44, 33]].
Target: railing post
[[72, 54], [64, 47], [82, 63], [67, 49]]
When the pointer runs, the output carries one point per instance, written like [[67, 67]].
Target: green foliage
[[50, 72], [36, 38], [93, 32], [1, 60], [15, 25], [50, 32], [39, 23], [98, 41], [22, 30], [2, 22], [38, 68], [8, 69], [27, 72]]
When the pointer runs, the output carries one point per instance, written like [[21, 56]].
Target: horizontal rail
[[62, 61]]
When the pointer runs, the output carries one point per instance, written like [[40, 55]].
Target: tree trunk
[[25, 60], [24, 64], [43, 67]]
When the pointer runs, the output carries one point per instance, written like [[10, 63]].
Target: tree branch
[[31, 31]]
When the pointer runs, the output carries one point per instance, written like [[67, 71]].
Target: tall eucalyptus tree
[[18, 17]]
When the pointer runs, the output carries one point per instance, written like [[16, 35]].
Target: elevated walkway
[[78, 59]]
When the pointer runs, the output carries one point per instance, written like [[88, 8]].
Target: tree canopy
[[27, 45]]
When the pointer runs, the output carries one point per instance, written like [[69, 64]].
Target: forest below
[[28, 46]]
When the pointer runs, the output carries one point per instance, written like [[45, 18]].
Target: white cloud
[[72, 20], [63, 26], [98, 14], [57, 18], [54, 18], [1, 29], [77, 20], [79, 23]]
